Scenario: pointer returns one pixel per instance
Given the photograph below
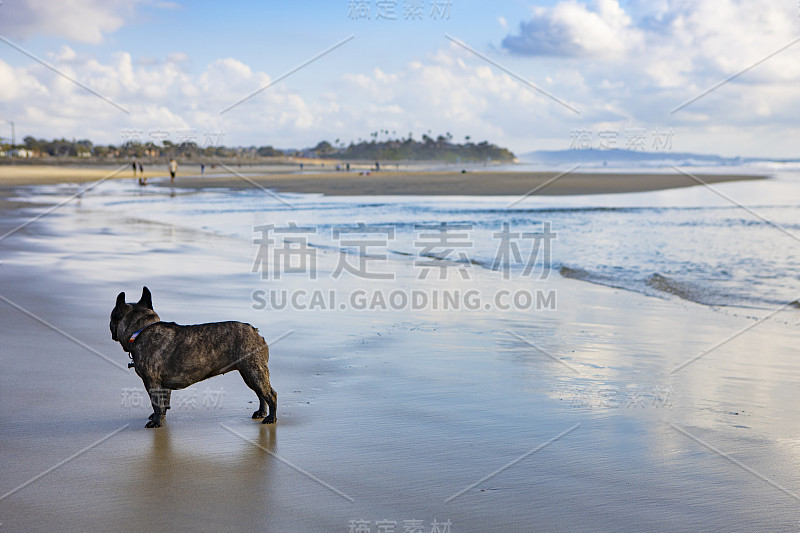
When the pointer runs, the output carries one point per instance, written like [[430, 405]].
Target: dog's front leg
[[159, 398]]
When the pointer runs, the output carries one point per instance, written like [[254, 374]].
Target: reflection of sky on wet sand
[[402, 409]]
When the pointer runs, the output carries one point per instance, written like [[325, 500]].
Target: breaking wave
[[662, 286]]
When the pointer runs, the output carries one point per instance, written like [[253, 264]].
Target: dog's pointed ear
[[146, 299], [121, 299]]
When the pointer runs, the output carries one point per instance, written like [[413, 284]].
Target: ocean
[[730, 245]]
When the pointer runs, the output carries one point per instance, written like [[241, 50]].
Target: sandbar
[[332, 183]]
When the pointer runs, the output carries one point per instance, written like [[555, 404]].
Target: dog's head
[[124, 314]]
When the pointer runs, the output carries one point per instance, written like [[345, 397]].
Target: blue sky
[[531, 74]]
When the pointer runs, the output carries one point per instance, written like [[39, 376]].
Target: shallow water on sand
[[731, 244], [611, 411]]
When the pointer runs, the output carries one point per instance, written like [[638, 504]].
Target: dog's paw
[[259, 414], [269, 420], [153, 424]]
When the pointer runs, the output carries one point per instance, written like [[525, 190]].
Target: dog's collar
[[136, 334]]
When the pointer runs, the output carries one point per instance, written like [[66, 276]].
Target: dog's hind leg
[[272, 400], [267, 397]]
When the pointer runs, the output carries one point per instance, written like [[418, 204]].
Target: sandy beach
[[519, 267], [484, 183], [491, 183], [610, 411]]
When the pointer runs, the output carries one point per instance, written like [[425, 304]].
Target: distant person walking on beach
[[173, 169], [142, 179], [133, 165], [202, 169]]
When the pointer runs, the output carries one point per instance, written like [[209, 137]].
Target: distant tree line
[[186, 150], [442, 148], [56, 147]]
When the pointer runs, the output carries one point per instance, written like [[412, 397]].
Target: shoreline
[[402, 415], [386, 183]]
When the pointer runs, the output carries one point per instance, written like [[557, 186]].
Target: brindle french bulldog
[[168, 356]]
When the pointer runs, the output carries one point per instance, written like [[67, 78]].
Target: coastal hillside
[[428, 149]]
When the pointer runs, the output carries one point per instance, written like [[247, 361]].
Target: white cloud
[[160, 96], [572, 29], [723, 37], [448, 91], [661, 55], [16, 83], [86, 21], [642, 59]]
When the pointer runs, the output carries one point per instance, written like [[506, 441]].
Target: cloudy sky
[[720, 76]]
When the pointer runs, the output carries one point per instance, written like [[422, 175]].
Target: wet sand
[[573, 419], [482, 183], [15, 175]]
